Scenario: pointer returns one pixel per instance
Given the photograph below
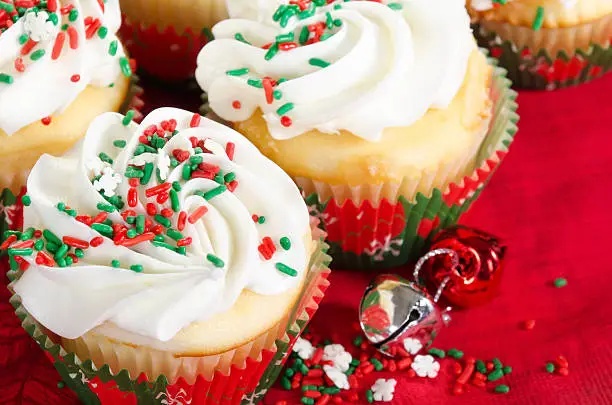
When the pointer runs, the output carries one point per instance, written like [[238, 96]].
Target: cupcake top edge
[[154, 226], [51, 51], [360, 66]]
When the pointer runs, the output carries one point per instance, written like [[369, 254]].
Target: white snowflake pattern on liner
[[339, 356], [303, 348], [378, 249], [482, 5], [163, 164], [412, 346], [38, 26], [9, 211], [324, 217], [339, 379], [425, 366], [179, 399], [108, 182], [383, 389]]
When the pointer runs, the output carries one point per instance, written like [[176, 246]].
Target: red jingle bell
[[473, 275]]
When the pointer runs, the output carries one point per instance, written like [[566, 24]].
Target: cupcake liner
[[379, 226], [240, 376], [548, 59], [164, 53], [11, 206]]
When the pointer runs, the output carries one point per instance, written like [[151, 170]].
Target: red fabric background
[[551, 203]]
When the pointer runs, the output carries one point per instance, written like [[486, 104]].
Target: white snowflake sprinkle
[[412, 346], [340, 357], [95, 166], [108, 182], [425, 366], [303, 348], [163, 164], [383, 389], [143, 158], [339, 379], [214, 147], [37, 26]]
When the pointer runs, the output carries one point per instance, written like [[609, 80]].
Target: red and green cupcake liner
[[538, 69], [242, 384], [164, 53], [365, 235]]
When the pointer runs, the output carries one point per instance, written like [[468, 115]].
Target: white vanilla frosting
[[171, 289], [51, 54], [371, 66]]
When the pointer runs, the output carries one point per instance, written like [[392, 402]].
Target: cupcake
[[63, 67], [387, 116], [546, 44], [165, 261]]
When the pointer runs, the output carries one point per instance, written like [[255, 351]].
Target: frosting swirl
[[360, 66], [50, 52], [166, 227]]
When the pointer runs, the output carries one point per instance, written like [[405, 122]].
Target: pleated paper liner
[[239, 376], [11, 212], [367, 231], [164, 53], [548, 59]]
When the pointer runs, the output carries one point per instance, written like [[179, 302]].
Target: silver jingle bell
[[398, 316]]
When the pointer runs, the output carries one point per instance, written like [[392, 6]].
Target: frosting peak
[[360, 66], [156, 226], [51, 52]]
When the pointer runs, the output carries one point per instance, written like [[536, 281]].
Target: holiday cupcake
[[176, 259], [62, 67], [546, 44], [386, 115]]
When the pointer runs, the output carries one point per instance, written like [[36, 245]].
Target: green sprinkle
[[228, 178], [277, 94], [455, 354], [119, 143], [272, 51], [102, 228], [395, 6], [355, 362], [196, 159], [74, 14], [337, 6], [23, 39], [174, 234], [131, 233], [215, 260], [113, 47], [309, 388], [61, 206], [281, 80], [495, 375], [36, 55], [210, 194], [560, 282], [78, 252], [106, 207], [148, 172], [102, 32], [115, 263], [53, 18], [65, 27], [7, 79], [52, 247], [325, 36], [329, 20], [133, 173], [51, 237], [174, 162], [28, 234], [279, 12], [68, 260], [283, 268], [377, 364], [497, 363], [481, 367], [129, 116], [286, 383], [39, 244], [130, 220], [72, 213], [318, 62], [285, 243], [308, 401], [21, 252], [309, 12], [26, 200], [285, 108], [181, 250], [105, 158], [539, 19], [219, 179], [550, 367], [507, 370], [136, 268], [289, 12], [162, 244], [186, 172], [61, 262], [140, 223], [61, 385], [502, 389], [369, 396], [163, 220], [331, 390], [289, 372], [124, 63], [437, 352], [338, 23], [7, 7], [237, 72], [241, 38], [261, 220], [304, 35]]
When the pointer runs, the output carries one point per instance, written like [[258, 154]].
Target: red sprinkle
[[317, 356], [19, 66], [563, 371], [97, 241], [23, 244], [323, 400], [231, 186], [182, 218], [52, 5], [195, 120], [147, 236], [75, 78], [458, 389], [28, 46], [197, 214], [184, 242], [404, 363], [562, 361], [151, 209], [229, 149], [236, 104], [134, 182], [268, 89], [46, 121], [150, 192], [312, 394], [167, 212], [75, 242], [43, 258], [8, 241], [133, 197], [286, 121], [85, 219], [529, 324], [73, 36]]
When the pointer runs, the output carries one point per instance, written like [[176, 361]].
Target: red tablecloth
[[549, 201]]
